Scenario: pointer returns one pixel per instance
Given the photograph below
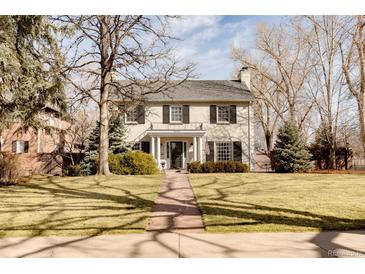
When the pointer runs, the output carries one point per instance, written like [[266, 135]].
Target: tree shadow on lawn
[[127, 204], [305, 218], [219, 204]]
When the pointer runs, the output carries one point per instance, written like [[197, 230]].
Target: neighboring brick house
[[199, 120], [38, 150]]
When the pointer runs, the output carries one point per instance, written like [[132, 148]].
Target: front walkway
[[175, 207], [192, 245]]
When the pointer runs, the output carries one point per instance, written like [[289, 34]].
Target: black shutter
[[165, 114], [141, 114], [237, 151], [186, 114], [123, 112], [210, 157], [145, 147], [233, 114], [13, 146], [26, 146], [213, 114]]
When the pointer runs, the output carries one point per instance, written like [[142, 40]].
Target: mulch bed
[[7, 184], [335, 171]]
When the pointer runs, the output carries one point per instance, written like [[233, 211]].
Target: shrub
[[116, 166], [73, 170], [215, 167], [230, 166], [194, 167], [132, 163], [208, 167], [10, 171]]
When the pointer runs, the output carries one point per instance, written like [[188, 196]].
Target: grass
[[78, 205], [256, 202]]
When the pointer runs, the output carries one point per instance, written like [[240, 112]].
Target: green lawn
[[78, 205], [280, 202]]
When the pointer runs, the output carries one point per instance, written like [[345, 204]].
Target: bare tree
[[76, 135], [281, 57], [124, 56], [322, 35], [269, 107], [352, 49]]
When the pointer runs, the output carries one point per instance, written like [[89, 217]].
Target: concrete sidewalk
[[175, 208], [196, 245]]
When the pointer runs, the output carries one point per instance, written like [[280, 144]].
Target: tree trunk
[[362, 123], [332, 161], [104, 140], [269, 145], [104, 94], [269, 141]]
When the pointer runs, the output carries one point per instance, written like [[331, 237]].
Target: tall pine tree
[[289, 153], [30, 69]]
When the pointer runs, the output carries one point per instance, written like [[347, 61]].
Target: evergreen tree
[[117, 144], [88, 164], [289, 153], [30, 69], [117, 136]]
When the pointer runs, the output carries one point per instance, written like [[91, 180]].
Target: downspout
[[249, 135]]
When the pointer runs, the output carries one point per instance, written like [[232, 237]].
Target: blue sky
[[206, 40]]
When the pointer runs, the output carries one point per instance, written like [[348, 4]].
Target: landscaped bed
[[78, 205], [280, 202]]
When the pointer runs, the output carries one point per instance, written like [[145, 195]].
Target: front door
[[176, 154]]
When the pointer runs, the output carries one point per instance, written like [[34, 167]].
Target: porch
[[174, 148]]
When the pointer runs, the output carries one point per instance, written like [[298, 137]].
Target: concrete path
[[175, 208], [196, 245]]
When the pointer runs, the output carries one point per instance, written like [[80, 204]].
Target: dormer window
[[176, 114], [132, 116], [223, 114]]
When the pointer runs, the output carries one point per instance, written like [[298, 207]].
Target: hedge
[[215, 167]]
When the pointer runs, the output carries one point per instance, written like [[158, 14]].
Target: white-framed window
[[224, 151], [20, 146], [176, 114], [132, 116], [137, 146], [223, 114]]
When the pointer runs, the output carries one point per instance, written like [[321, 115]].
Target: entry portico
[[175, 148]]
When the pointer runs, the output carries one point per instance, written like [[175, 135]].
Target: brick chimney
[[245, 76]]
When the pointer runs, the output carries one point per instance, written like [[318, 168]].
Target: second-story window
[[132, 116], [176, 114], [223, 114]]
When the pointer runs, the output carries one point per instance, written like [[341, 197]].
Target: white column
[[194, 149], [200, 150], [158, 151], [153, 147]]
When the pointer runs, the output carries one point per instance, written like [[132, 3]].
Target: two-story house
[[199, 120]]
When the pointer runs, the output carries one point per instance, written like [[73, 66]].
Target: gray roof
[[203, 90]]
